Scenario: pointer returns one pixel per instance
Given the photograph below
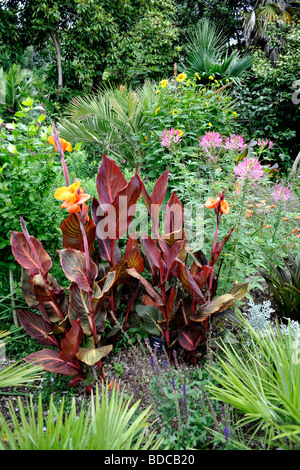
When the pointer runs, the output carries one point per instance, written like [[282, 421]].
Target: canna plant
[[178, 302], [72, 323], [187, 293]]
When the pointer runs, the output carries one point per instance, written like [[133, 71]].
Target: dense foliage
[[149, 237]]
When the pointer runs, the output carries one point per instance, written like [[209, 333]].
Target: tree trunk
[[59, 68]]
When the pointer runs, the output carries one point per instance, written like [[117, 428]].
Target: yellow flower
[[211, 77], [235, 114], [179, 132], [206, 103], [156, 111], [181, 77], [145, 138], [164, 83], [198, 76], [157, 91], [216, 82], [73, 196], [174, 112], [210, 124]]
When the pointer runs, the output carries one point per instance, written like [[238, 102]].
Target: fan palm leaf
[[207, 54], [111, 118]]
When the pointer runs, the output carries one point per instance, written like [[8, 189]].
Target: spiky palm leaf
[[207, 55], [111, 118]]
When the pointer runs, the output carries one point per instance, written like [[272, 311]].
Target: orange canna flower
[[248, 213], [297, 217], [224, 207], [65, 145], [285, 218], [273, 205], [268, 226], [111, 384], [258, 205], [73, 196], [212, 203]]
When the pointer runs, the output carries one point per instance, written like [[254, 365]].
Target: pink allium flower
[[249, 168], [211, 139], [281, 192], [235, 142], [170, 137]]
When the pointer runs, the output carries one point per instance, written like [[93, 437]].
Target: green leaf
[[150, 315], [93, 355]]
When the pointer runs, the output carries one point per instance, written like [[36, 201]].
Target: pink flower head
[[211, 139], [249, 168], [235, 142], [170, 137], [281, 193], [263, 143]]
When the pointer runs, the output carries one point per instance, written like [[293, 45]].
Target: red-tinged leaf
[[72, 236], [151, 291], [77, 379], [148, 262], [152, 251], [172, 255], [160, 188], [217, 305], [219, 248], [37, 327], [27, 289], [44, 292], [188, 337], [174, 217], [202, 276], [110, 180], [34, 260], [74, 267], [133, 256], [79, 306], [124, 206], [104, 243], [159, 191], [71, 342], [51, 361], [170, 302], [148, 301], [154, 201], [188, 281]]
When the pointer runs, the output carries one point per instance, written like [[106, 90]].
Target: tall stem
[[238, 226], [213, 255]]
